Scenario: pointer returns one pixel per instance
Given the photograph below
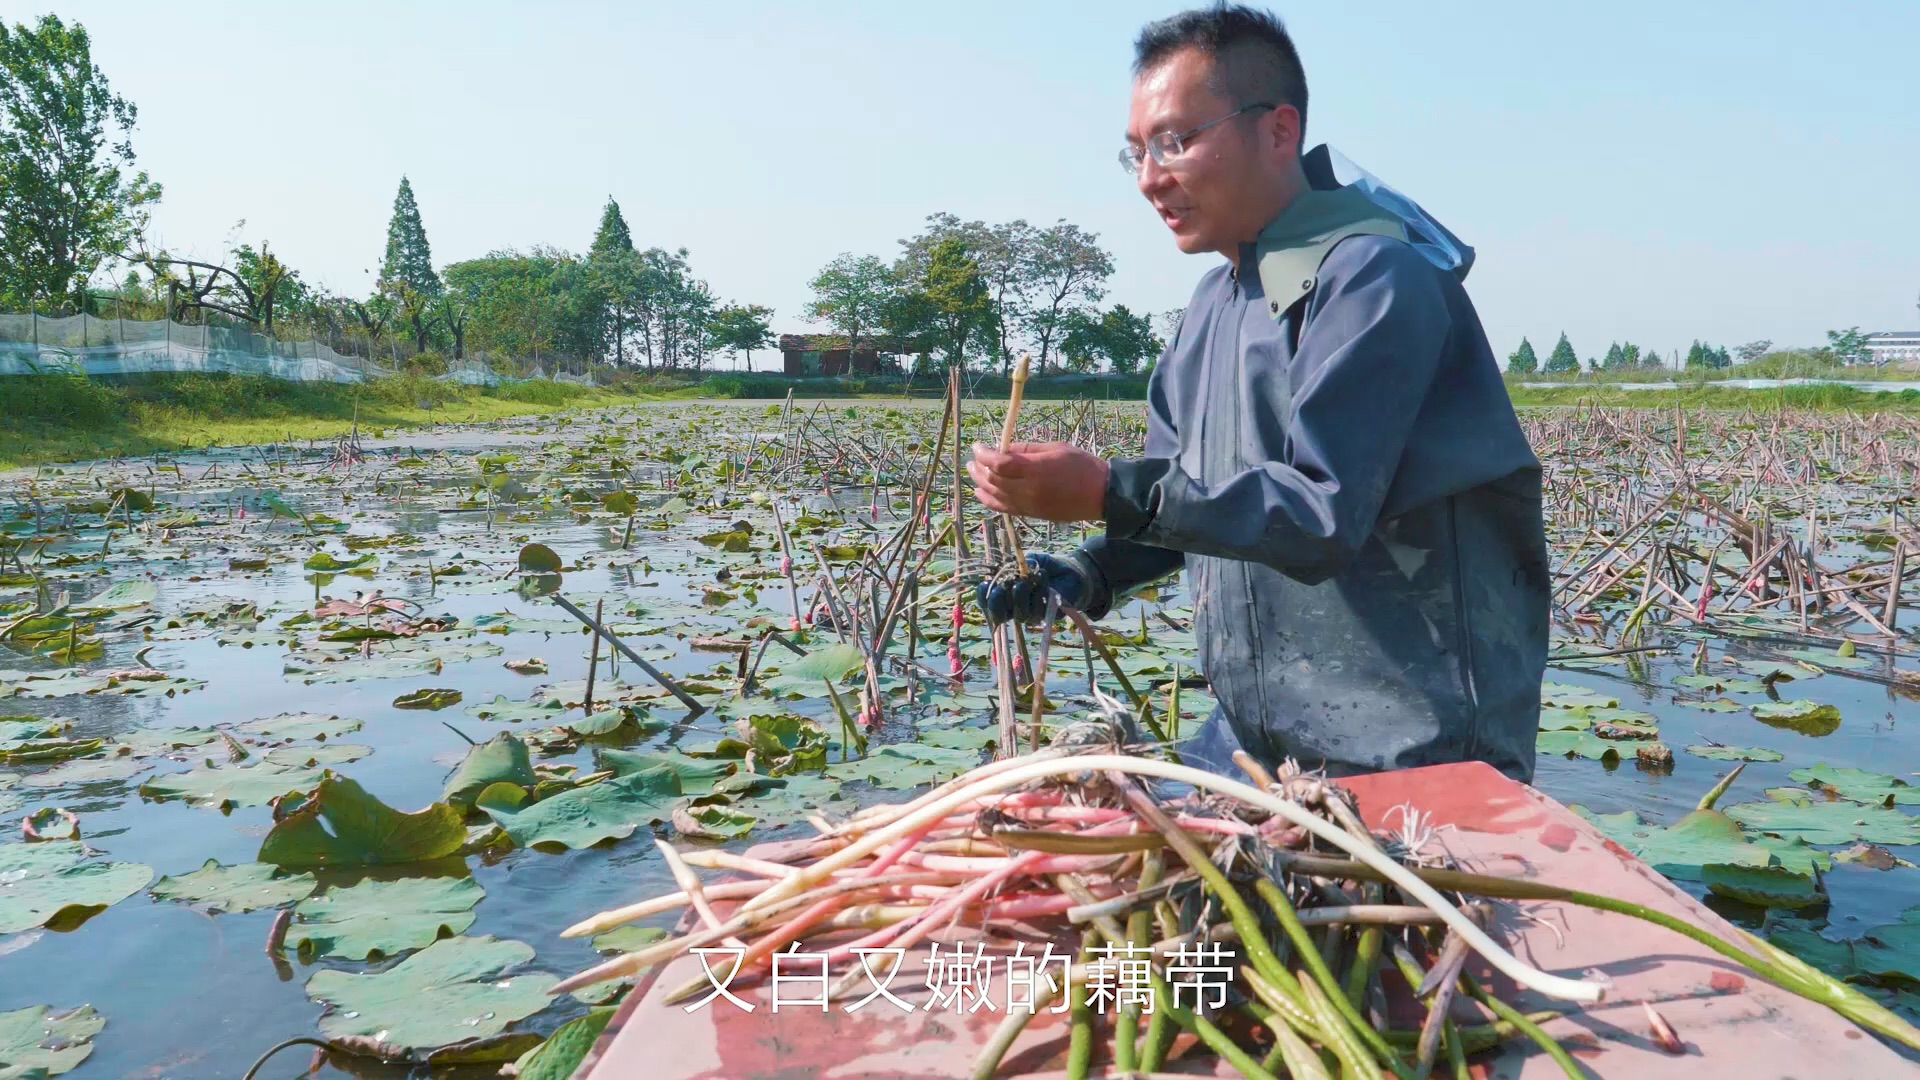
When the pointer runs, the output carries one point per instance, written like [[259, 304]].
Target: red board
[[1733, 1025]]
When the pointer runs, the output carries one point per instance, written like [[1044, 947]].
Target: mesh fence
[[88, 345]]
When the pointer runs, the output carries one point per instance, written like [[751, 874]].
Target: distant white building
[[1894, 347]]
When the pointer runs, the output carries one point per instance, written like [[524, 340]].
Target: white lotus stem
[[1362, 850]]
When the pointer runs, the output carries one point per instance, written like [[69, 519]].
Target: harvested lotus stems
[[1257, 920]]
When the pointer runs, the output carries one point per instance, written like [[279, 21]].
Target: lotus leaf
[[55, 884], [448, 992], [287, 727], [235, 889], [1858, 785], [36, 1043], [339, 824], [433, 698], [325, 563], [1765, 886], [1553, 693], [383, 918], [1793, 814], [694, 774], [1805, 717], [566, 1048], [584, 816], [231, 786], [1735, 753], [900, 766], [501, 759]]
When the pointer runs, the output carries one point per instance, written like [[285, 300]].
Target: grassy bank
[[60, 418], [1708, 396], [51, 418]]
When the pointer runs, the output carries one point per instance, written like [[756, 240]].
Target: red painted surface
[[1731, 1025]]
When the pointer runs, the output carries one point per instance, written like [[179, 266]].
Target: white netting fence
[[85, 344]]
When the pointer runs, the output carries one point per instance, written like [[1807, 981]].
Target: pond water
[[188, 993]]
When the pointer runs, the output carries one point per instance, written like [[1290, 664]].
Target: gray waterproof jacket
[[1332, 454]]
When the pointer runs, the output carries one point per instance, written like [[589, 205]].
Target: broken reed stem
[[593, 657]]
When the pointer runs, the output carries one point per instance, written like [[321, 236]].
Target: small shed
[[828, 354]]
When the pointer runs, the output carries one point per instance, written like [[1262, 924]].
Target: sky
[[1727, 170]]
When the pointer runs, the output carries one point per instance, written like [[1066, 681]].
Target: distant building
[[1894, 347], [827, 354]]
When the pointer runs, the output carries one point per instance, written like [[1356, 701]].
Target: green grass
[[1709, 396], [62, 418], [52, 418]]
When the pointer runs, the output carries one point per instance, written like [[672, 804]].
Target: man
[[1330, 450]]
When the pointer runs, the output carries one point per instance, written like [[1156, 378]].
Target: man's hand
[[1048, 481]]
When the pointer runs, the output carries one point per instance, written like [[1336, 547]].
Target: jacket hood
[[1328, 169]]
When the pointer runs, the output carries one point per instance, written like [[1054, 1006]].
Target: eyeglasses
[[1169, 145]]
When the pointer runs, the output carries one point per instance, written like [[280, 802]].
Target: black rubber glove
[[1025, 598]]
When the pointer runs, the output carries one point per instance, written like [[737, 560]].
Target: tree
[[409, 260], [957, 300], [674, 310], [1523, 361], [1848, 346], [741, 328], [1003, 254], [537, 305], [613, 265], [1129, 340], [1069, 271], [1562, 360], [66, 206], [1753, 350], [851, 294], [1615, 360], [451, 309], [1706, 358], [1124, 340], [1630, 357]]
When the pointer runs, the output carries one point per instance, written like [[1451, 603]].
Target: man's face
[[1226, 185]]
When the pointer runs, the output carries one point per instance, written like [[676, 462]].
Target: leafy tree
[[1003, 255], [1124, 340], [66, 205], [1848, 346], [1706, 358], [1753, 350], [452, 310], [1523, 361], [1069, 272], [957, 299], [272, 287], [1562, 360], [409, 260], [538, 305], [1615, 359], [613, 266], [1630, 357], [1081, 346], [851, 294], [741, 328], [674, 310]]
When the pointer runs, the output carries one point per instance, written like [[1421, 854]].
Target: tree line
[[1844, 347], [74, 211]]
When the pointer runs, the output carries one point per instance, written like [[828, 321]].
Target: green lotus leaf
[[235, 889], [36, 1042], [451, 991], [584, 816], [383, 918], [339, 824], [55, 884]]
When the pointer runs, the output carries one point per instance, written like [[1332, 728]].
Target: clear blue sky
[[1649, 171]]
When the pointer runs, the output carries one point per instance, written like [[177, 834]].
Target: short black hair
[[1252, 54]]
